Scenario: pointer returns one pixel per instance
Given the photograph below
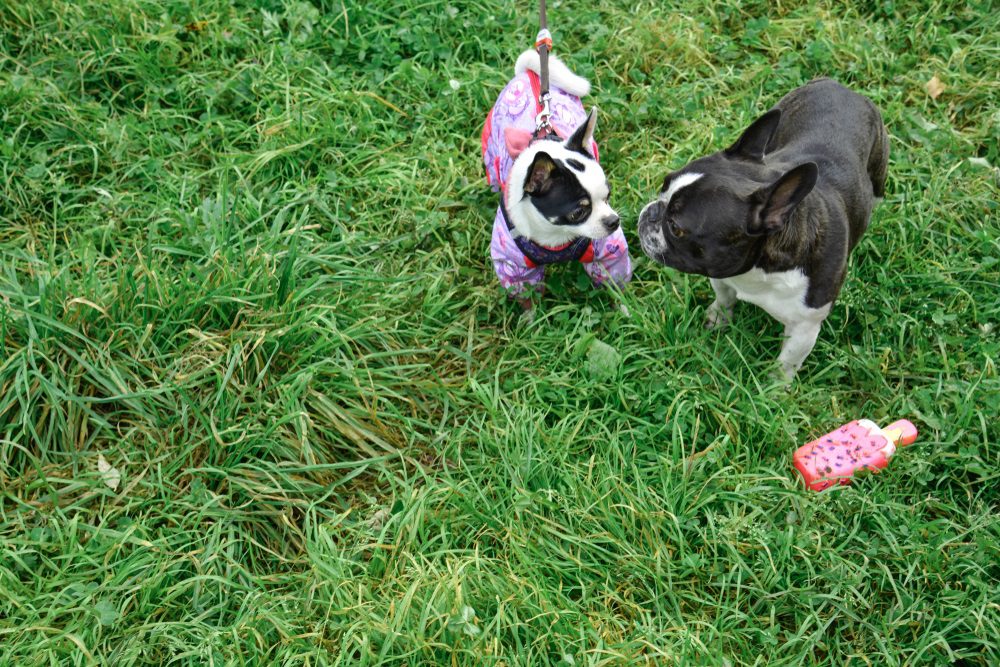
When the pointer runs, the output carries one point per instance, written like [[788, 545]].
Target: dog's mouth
[[654, 245], [658, 247]]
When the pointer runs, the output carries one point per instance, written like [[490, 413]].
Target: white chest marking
[[781, 294]]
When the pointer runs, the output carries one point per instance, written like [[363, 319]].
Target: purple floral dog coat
[[518, 262]]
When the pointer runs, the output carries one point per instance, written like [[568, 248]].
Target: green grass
[[246, 261]]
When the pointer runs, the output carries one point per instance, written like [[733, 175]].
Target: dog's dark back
[[843, 133]]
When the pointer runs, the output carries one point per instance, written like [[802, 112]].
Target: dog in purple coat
[[554, 194]]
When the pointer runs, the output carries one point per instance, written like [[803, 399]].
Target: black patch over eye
[[676, 230], [563, 198], [580, 213], [575, 164]]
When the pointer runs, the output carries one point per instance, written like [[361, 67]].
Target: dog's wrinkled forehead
[[713, 187], [678, 187], [717, 174], [704, 202]]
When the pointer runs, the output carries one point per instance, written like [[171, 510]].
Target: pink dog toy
[[859, 445]]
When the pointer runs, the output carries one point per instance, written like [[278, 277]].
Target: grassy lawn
[[244, 261]]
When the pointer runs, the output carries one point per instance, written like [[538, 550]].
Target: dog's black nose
[[611, 222]]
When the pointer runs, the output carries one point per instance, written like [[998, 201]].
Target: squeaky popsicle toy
[[859, 445]]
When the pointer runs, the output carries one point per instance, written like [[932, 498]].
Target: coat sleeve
[[509, 262], [611, 261]]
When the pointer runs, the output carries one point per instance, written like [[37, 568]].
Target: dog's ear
[[540, 175], [583, 135], [752, 144], [773, 204]]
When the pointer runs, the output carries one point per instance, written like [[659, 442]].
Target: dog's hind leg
[[878, 160]]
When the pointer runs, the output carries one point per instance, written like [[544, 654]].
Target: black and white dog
[[554, 194], [771, 219]]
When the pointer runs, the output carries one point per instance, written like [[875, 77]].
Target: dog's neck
[[801, 237]]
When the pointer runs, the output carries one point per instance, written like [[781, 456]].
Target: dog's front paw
[[718, 316], [784, 374]]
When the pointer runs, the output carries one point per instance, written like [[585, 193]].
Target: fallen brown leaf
[[109, 474], [934, 87]]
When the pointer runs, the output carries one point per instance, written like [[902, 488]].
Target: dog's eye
[[676, 231], [580, 212]]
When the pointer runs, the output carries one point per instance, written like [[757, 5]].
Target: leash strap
[[543, 42]]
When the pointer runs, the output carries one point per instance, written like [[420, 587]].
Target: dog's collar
[[581, 249]]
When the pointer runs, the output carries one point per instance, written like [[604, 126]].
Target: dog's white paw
[[718, 316], [784, 375]]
